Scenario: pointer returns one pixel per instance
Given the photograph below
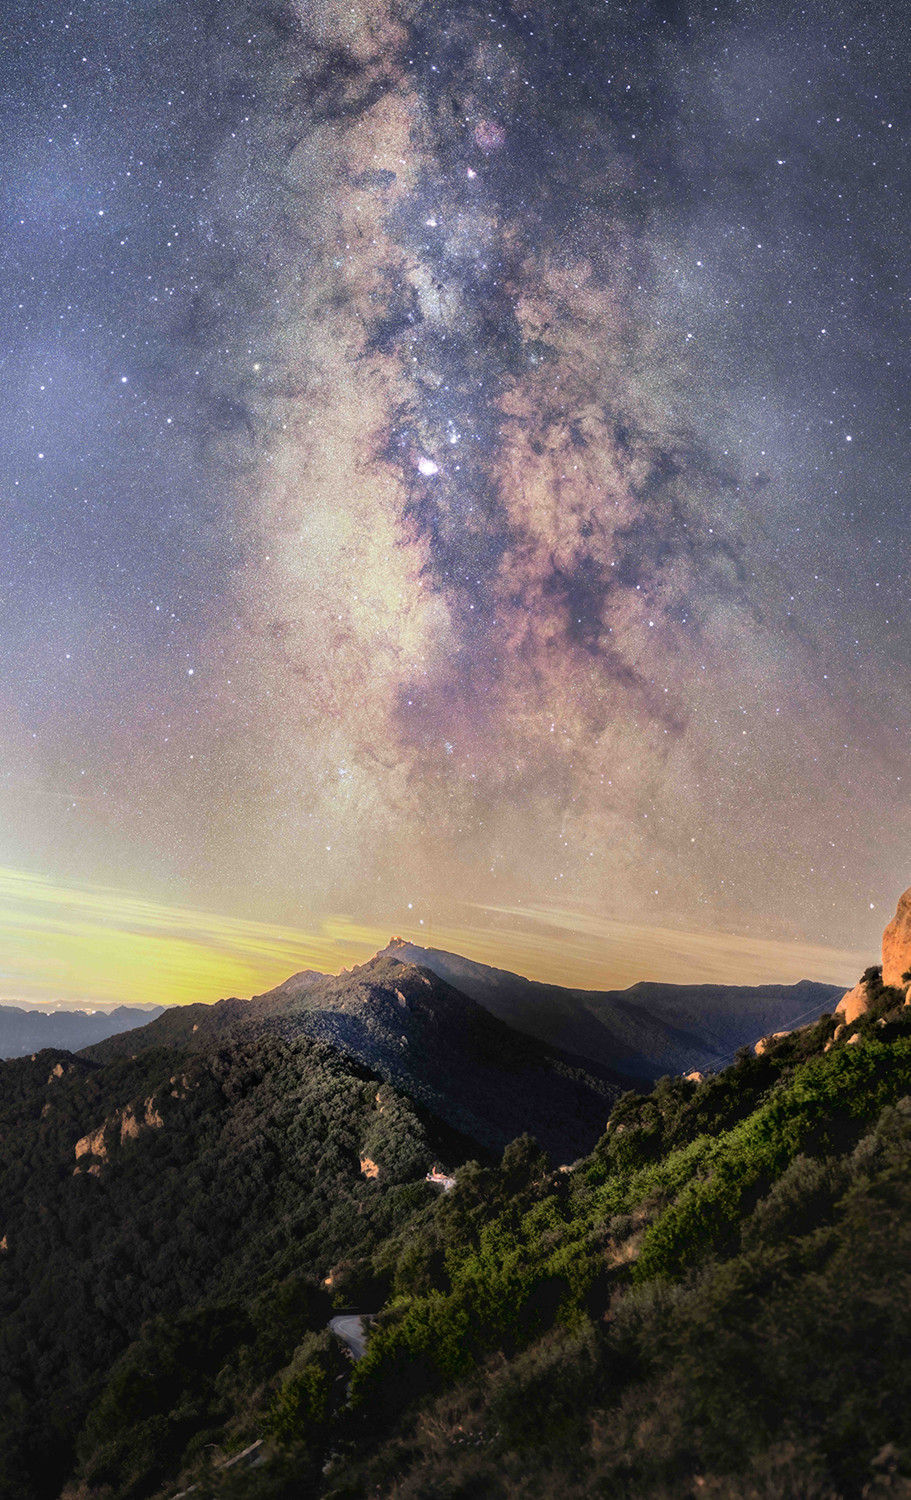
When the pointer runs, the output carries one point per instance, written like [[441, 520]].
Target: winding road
[[351, 1328]]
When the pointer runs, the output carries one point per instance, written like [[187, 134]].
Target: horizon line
[[78, 943]]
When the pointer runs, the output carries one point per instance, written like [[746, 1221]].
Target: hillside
[[417, 1032], [25, 1031], [715, 1300], [648, 1030], [195, 1202]]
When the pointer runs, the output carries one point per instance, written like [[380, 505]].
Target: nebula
[[489, 512]]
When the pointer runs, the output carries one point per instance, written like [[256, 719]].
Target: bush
[[301, 1408]]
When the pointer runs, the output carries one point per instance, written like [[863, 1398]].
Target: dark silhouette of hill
[[194, 1026], [23, 1078], [291, 988], [25, 1031], [422, 1035], [646, 1031]]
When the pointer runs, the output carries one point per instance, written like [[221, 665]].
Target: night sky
[[454, 482]]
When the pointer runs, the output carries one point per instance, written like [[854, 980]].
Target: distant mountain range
[[25, 1031]]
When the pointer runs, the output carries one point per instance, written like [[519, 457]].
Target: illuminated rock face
[[854, 1004], [765, 1042], [896, 952], [92, 1144], [897, 944]]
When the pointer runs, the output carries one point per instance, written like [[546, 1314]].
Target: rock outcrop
[[765, 1042], [128, 1122], [896, 955], [93, 1144], [132, 1122], [897, 944], [854, 1004]]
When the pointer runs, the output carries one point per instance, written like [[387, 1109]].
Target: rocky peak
[[897, 944], [896, 954], [855, 1003]]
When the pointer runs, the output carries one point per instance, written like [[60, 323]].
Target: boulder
[[765, 1042], [897, 943], [854, 1004]]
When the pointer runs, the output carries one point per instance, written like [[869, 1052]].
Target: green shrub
[[303, 1404]]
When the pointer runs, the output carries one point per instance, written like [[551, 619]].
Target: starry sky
[[454, 481]]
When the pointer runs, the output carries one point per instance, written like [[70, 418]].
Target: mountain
[[26, 1031], [737, 1253], [715, 1300], [646, 1031], [495, 1054], [433, 1041], [422, 1035]]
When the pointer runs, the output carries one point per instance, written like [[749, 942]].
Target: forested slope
[[212, 1193], [419, 1033], [715, 1301]]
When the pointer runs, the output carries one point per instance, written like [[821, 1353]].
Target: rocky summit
[[892, 974], [897, 945]]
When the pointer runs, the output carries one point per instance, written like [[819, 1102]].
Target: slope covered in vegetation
[[195, 1203], [716, 1301], [425, 1037]]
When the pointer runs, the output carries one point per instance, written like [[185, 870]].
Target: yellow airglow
[[581, 948], [90, 944], [63, 941]]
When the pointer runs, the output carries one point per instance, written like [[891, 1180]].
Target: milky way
[[456, 460]]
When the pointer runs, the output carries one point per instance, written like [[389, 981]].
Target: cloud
[[90, 943], [69, 941], [579, 948]]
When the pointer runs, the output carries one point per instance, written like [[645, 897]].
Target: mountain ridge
[[422, 1035], [648, 1030], [26, 1030]]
